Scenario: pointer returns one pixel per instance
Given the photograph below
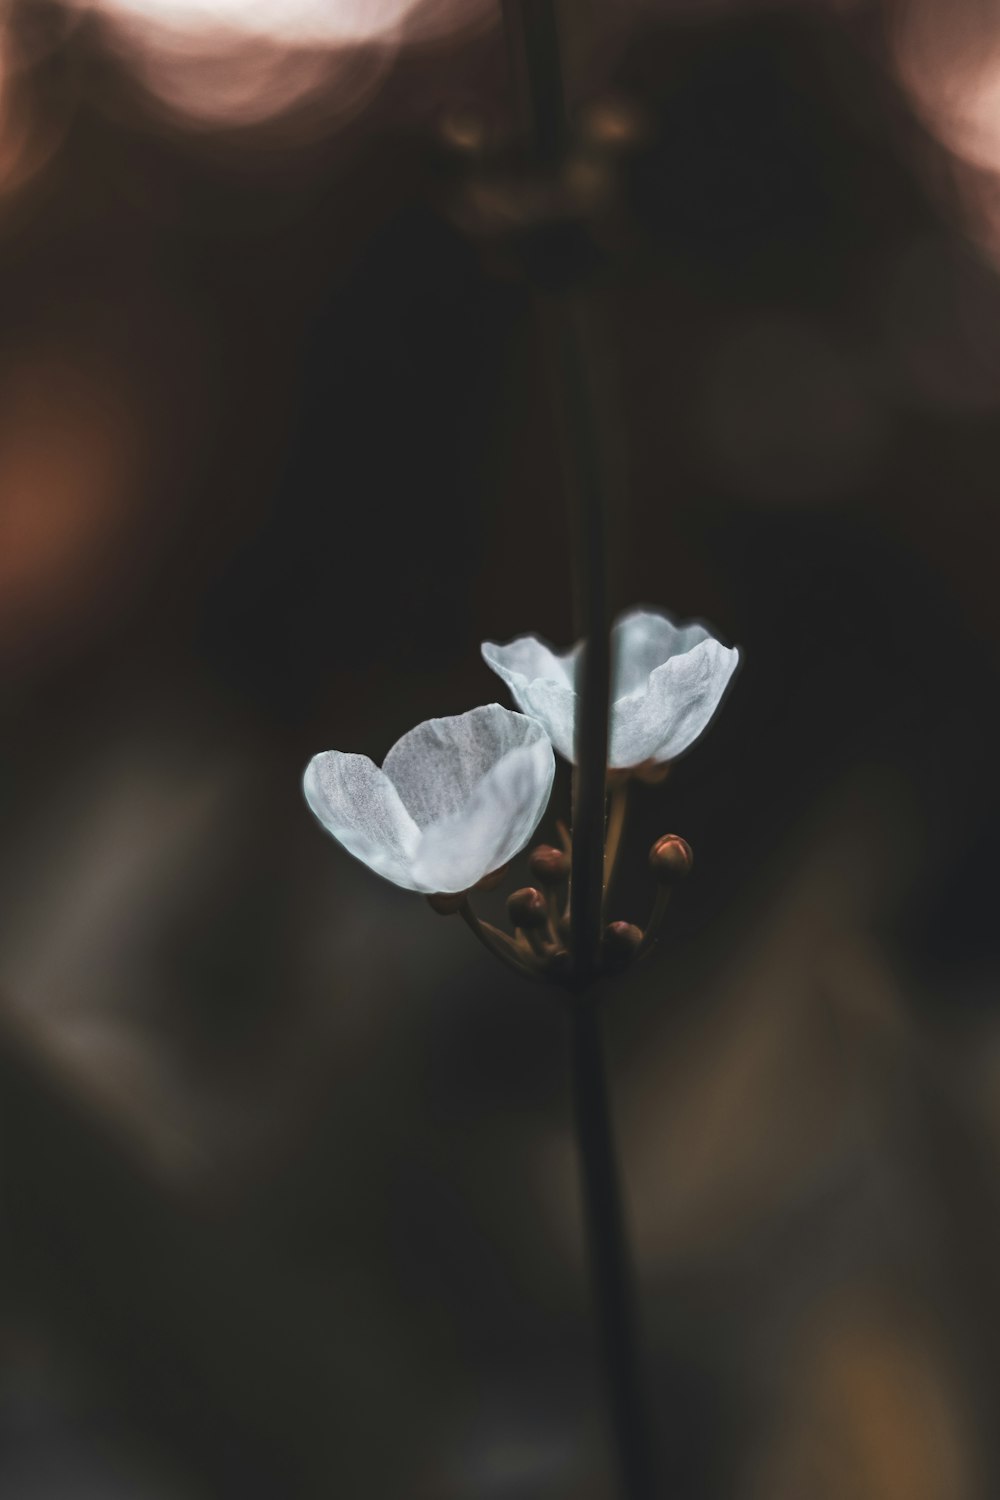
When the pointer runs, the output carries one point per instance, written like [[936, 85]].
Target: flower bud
[[550, 866], [622, 941], [528, 908], [670, 859], [493, 879], [446, 903]]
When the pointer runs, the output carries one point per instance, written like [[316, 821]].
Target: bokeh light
[[293, 22], [30, 131], [68, 450], [948, 58], [223, 62]]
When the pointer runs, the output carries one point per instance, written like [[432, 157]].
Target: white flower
[[455, 799], [667, 681]]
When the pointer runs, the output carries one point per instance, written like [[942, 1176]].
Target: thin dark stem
[[655, 921], [608, 1248], [616, 826], [585, 463], [533, 44], [605, 1224], [533, 33], [496, 942]]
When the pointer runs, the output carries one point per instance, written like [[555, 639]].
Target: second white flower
[[667, 682]]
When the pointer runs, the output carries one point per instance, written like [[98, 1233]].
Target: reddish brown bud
[[670, 859], [528, 908], [492, 880], [446, 903], [622, 941], [550, 866]]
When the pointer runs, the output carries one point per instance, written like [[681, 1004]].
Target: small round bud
[[550, 866], [528, 908], [622, 941], [670, 859], [446, 903]]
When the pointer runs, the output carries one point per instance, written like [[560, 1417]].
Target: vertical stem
[[585, 463], [533, 33], [533, 45], [608, 1249], [604, 1218], [616, 825]]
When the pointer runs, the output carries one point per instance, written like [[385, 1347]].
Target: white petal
[[641, 641], [358, 804], [437, 766], [541, 682], [667, 682], [495, 822], [663, 719]]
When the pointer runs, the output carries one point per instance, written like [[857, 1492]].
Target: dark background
[[287, 1191]]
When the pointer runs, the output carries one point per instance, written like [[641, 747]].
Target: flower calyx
[[447, 903]]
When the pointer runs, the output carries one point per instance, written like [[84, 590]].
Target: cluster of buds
[[540, 913]]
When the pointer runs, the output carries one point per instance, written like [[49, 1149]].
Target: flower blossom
[[455, 799], [667, 681]]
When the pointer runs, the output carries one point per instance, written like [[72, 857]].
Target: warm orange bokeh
[[68, 448]]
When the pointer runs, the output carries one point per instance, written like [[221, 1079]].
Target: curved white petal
[[494, 823], [456, 798], [665, 717], [436, 767], [641, 641], [542, 684], [667, 682], [358, 804]]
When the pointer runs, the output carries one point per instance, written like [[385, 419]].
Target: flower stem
[[533, 33], [536, 73], [496, 942], [616, 823], [655, 921], [604, 1218], [608, 1251], [585, 474]]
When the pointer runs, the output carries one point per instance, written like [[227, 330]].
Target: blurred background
[[288, 1202]]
